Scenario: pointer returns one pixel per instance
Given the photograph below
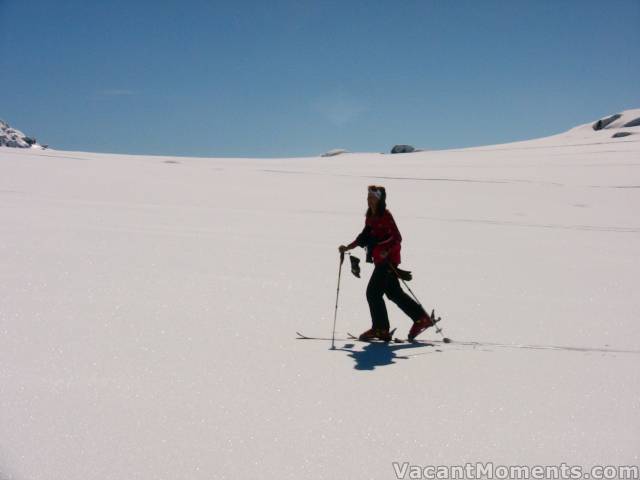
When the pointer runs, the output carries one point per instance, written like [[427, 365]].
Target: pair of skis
[[374, 340], [350, 336]]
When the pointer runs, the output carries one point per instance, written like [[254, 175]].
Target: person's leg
[[375, 290], [398, 296]]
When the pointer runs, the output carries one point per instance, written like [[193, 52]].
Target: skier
[[382, 239]]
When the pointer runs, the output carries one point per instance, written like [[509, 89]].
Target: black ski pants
[[384, 281]]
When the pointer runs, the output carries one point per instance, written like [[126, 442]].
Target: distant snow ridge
[[10, 137], [628, 119], [334, 152]]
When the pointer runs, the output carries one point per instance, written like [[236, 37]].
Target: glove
[[355, 265]]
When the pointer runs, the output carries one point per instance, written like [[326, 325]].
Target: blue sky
[[286, 78]]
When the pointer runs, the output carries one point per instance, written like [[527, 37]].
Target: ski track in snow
[[461, 180], [476, 344]]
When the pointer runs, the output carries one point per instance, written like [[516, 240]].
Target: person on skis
[[382, 239]]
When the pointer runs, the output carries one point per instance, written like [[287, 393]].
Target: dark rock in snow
[[10, 137], [402, 149], [603, 122], [633, 123]]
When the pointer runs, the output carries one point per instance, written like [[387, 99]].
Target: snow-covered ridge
[[619, 125], [10, 137]]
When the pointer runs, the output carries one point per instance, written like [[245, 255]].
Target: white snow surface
[[148, 310]]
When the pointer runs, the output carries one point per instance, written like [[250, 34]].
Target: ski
[[305, 337], [349, 337]]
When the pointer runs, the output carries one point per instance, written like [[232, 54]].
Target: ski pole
[[435, 322], [335, 314]]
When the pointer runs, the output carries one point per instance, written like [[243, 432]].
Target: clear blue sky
[[299, 77]]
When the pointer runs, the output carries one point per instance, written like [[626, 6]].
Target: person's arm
[[362, 240]]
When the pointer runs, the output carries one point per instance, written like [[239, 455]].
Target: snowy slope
[[148, 309]]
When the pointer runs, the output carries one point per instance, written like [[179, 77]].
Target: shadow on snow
[[379, 354]]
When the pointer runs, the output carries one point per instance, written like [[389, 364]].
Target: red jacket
[[380, 234]]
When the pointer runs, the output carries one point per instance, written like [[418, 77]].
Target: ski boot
[[376, 334], [421, 325]]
